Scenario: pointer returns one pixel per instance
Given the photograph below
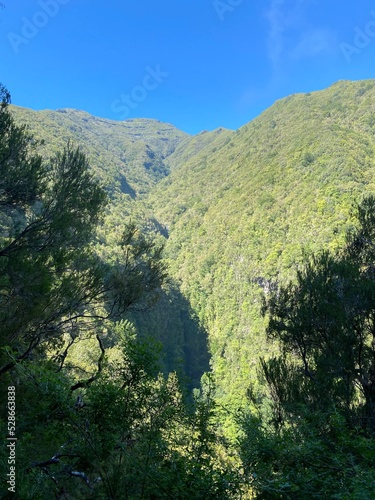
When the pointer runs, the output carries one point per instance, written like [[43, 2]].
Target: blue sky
[[198, 64]]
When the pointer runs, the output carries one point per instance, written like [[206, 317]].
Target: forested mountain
[[236, 209], [88, 411], [242, 211], [128, 155], [191, 146], [247, 254], [128, 158]]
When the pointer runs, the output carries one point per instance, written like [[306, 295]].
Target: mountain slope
[[127, 156], [236, 209], [191, 146], [240, 213]]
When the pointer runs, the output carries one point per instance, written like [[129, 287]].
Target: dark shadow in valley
[[172, 322], [126, 188]]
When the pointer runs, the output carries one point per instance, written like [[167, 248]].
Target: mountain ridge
[[241, 207], [244, 213], [128, 155]]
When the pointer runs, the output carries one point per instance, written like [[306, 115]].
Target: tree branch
[[86, 383]]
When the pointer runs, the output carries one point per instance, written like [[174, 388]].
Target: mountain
[[241, 211], [127, 156], [191, 146], [236, 210]]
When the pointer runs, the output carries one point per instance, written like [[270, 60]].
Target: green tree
[[115, 429], [325, 324], [322, 386], [129, 434], [53, 284]]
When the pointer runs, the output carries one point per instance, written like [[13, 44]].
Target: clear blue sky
[[198, 64]]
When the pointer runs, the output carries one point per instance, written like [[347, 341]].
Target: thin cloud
[[314, 43], [291, 36], [276, 31]]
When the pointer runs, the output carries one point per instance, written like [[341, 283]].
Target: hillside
[[128, 156], [241, 211], [191, 146], [235, 210], [207, 329]]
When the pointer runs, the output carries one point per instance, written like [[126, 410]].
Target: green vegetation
[[95, 417], [317, 437], [128, 157], [243, 210], [191, 317]]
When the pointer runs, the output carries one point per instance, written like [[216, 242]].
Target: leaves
[[321, 386]]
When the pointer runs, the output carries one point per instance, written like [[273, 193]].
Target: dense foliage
[[128, 158], [95, 417], [243, 210], [115, 332], [317, 438]]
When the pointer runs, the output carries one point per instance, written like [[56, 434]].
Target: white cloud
[[315, 42], [290, 34], [276, 20]]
